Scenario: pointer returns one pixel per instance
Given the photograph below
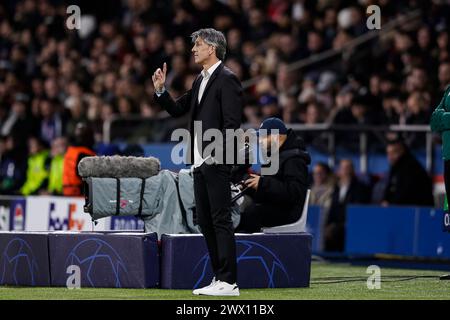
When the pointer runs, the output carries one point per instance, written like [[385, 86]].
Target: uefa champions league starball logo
[[18, 263], [259, 257], [98, 261]]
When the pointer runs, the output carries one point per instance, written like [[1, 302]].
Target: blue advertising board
[[112, 260], [314, 224], [405, 231], [24, 259], [430, 239], [263, 260], [372, 229]]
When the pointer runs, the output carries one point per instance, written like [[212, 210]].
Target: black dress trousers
[[213, 207]]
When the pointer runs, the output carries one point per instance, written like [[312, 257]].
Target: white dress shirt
[[206, 74], [343, 189]]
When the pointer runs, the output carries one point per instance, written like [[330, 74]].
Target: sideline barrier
[[109, 259], [264, 261], [24, 259], [46, 213], [12, 213], [59, 213], [314, 225], [405, 231], [52, 213]]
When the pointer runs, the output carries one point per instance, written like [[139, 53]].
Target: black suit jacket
[[220, 107], [357, 193], [408, 183]]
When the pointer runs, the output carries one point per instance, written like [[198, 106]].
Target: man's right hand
[[159, 78]]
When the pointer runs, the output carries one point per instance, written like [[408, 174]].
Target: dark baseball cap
[[273, 124]]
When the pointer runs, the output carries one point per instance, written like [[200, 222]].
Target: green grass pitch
[[326, 283]]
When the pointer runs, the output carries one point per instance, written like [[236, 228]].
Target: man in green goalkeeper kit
[[440, 122]]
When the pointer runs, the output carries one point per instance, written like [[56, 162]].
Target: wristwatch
[[160, 92]]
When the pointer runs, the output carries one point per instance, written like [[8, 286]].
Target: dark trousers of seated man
[[258, 215], [213, 208]]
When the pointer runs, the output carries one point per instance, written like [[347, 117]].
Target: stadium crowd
[[52, 78]]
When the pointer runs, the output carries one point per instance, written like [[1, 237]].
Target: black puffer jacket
[[285, 191]]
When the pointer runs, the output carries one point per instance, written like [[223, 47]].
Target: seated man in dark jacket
[[278, 199]]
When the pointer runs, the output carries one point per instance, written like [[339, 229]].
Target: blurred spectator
[[51, 122], [444, 76], [81, 147], [13, 166], [55, 180], [38, 167], [19, 122], [355, 114], [252, 115], [348, 190], [417, 80], [394, 107], [2, 147], [291, 110], [441, 52], [408, 182], [314, 115], [322, 187], [259, 27], [325, 89], [417, 112], [269, 107], [77, 114], [286, 83]]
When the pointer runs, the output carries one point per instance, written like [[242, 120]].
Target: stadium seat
[[298, 226]]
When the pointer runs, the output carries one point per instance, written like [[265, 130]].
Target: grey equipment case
[[156, 200], [165, 201]]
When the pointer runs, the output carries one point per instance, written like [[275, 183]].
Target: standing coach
[[216, 101]]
